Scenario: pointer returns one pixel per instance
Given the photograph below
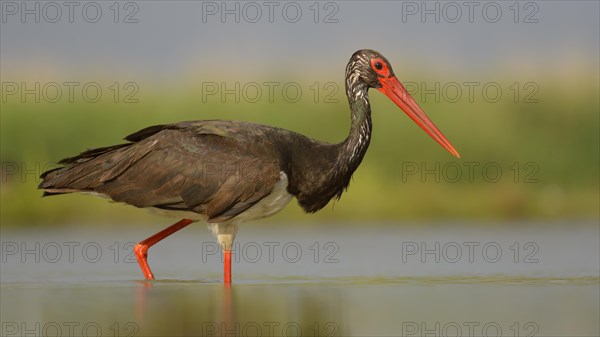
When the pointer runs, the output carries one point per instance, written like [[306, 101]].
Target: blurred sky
[[170, 41]]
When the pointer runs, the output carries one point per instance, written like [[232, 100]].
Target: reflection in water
[[203, 309], [140, 298], [227, 307]]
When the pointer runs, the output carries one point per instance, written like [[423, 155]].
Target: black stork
[[229, 172]]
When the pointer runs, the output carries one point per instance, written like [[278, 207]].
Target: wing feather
[[207, 168]]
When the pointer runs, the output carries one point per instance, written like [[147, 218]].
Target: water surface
[[385, 280]]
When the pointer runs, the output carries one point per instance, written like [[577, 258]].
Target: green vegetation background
[[559, 134]]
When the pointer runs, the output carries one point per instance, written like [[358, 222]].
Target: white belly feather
[[225, 231], [267, 206]]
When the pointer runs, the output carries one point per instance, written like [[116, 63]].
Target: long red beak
[[393, 89]]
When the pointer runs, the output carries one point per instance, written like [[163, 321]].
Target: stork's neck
[[355, 145], [334, 170]]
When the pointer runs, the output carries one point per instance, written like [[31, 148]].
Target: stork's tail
[[94, 167], [82, 172]]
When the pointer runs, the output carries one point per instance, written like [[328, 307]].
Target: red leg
[[227, 266], [141, 249]]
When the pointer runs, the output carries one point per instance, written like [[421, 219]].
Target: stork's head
[[369, 69], [366, 66]]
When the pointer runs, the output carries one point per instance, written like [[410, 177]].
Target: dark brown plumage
[[216, 168]]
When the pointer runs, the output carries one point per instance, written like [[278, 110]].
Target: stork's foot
[[141, 253], [141, 249]]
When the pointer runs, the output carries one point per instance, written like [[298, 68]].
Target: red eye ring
[[380, 67]]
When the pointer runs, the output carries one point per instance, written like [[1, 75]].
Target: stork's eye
[[380, 67]]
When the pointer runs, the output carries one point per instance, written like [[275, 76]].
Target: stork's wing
[[199, 167]]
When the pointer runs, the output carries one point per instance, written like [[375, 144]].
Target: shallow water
[[451, 280]]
